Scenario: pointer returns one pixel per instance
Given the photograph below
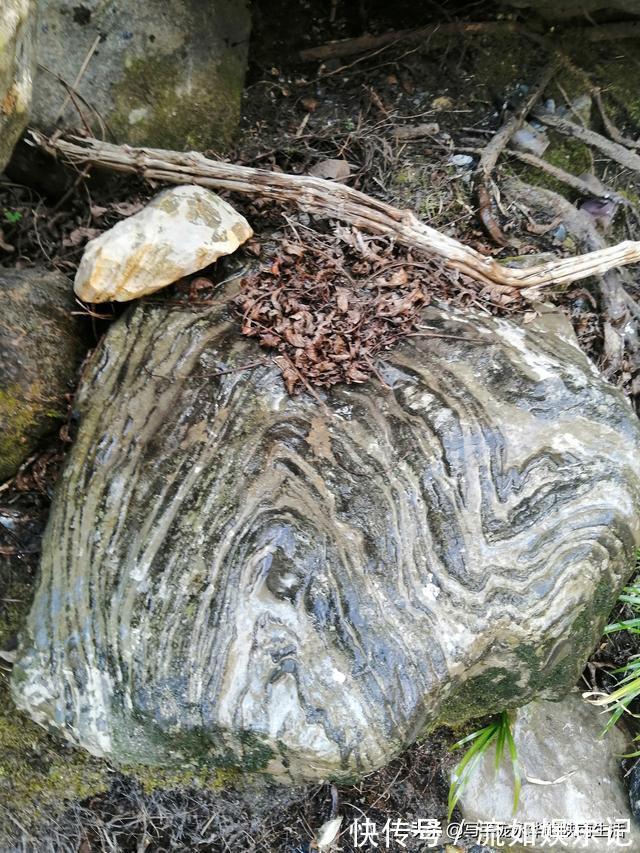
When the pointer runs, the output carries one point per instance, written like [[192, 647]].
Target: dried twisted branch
[[571, 35], [337, 201], [366, 42]]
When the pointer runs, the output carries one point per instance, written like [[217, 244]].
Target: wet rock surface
[[17, 65], [634, 790], [570, 773], [40, 351], [167, 74], [182, 230], [234, 577]]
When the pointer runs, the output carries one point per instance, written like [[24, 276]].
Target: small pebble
[[461, 161]]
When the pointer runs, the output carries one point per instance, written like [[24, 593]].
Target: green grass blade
[[480, 741], [515, 764], [628, 688], [631, 625], [500, 744], [464, 769]]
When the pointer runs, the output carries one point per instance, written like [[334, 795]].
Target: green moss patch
[[24, 418], [38, 773], [552, 670], [151, 109]]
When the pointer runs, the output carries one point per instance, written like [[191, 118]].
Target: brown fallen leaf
[[329, 314], [342, 299], [80, 235]]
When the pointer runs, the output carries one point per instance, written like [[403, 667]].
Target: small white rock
[[182, 230], [461, 161]]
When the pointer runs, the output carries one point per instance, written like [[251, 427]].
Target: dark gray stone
[[634, 790], [40, 350]]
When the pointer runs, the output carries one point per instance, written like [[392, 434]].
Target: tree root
[[584, 188], [362, 44], [613, 150], [610, 127]]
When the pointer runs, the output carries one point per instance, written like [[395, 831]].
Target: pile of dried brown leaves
[[329, 307]]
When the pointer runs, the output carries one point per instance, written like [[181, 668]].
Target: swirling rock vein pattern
[[234, 577]]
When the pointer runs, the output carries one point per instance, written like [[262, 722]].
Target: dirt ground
[[298, 114]]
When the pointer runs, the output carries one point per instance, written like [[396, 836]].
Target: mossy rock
[[165, 73], [40, 350], [552, 667], [17, 62], [42, 775]]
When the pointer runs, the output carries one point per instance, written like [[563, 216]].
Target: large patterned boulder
[[235, 577]]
